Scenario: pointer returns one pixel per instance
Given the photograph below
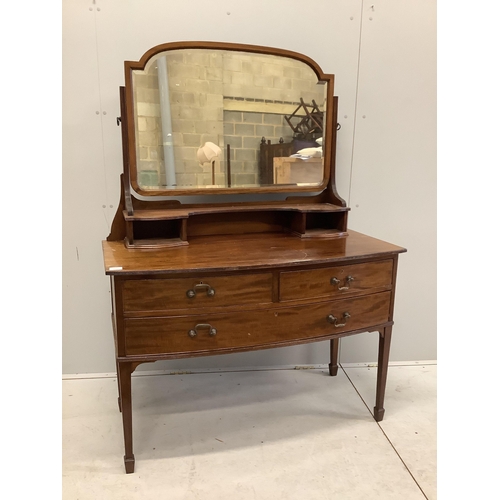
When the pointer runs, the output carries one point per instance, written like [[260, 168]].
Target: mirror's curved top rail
[[237, 47]]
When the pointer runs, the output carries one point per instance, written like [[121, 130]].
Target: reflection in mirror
[[219, 118]]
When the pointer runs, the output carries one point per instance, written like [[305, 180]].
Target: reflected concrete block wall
[[222, 97]]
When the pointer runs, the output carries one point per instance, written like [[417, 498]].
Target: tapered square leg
[[125, 391], [384, 346], [334, 357]]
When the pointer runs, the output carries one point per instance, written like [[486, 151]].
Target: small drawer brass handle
[[192, 293], [211, 330], [333, 320], [336, 281]]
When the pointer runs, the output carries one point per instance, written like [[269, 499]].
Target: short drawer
[[197, 292], [336, 281], [247, 329]]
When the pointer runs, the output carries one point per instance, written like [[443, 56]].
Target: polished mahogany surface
[[247, 251]]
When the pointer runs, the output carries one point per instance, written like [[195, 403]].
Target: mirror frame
[[129, 149]]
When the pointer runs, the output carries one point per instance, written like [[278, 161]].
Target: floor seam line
[[385, 435]]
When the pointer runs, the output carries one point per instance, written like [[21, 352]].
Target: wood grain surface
[[314, 283], [239, 252], [252, 327], [170, 295]]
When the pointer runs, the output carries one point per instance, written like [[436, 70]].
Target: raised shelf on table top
[[186, 212]]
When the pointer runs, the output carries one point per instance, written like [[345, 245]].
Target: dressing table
[[206, 255]]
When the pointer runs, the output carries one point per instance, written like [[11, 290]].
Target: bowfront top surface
[[242, 252]]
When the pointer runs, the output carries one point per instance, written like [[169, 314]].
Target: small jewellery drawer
[[247, 329], [195, 293], [336, 281]]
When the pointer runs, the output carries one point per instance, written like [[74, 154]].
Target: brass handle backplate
[[211, 330], [192, 293], [333, 320], [347, 281]]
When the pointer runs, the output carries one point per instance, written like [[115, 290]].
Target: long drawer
[[354, 279], [195, 293], [242, 329]]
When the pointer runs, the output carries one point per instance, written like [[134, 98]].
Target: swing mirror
[[211, 118]]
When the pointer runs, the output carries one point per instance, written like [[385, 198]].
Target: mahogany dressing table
[[278, 267]]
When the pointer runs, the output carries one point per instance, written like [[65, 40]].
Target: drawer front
[[336, 281], [193, 293], [245, 329]]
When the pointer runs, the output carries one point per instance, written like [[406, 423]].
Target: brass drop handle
[[192, 293], [211, 330], [335, 281], [333, 320]]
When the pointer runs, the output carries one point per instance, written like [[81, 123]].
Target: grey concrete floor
[[273, 434]]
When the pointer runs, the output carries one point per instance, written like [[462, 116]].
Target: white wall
[[385, 71]]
